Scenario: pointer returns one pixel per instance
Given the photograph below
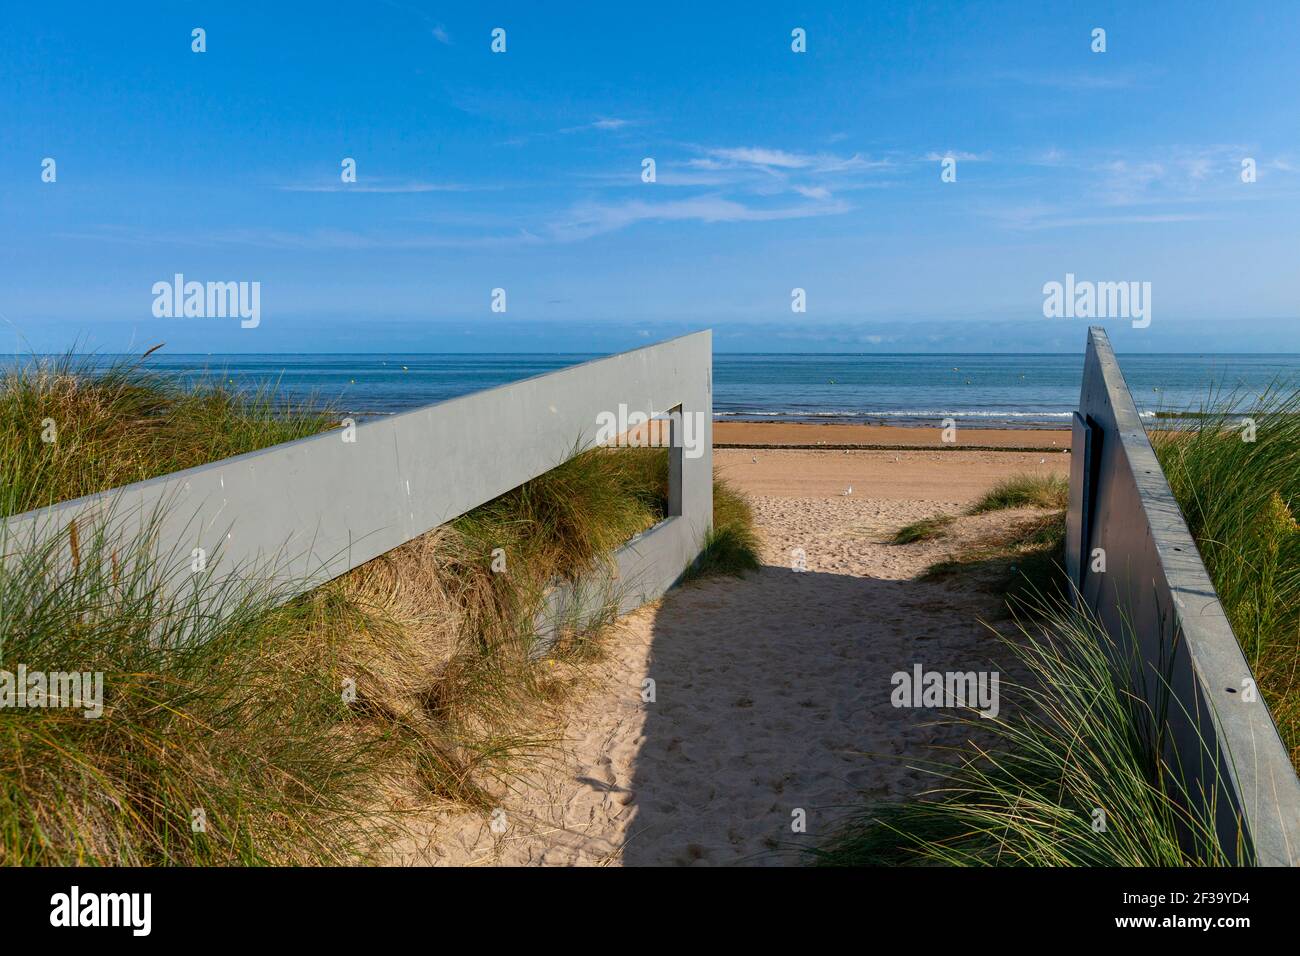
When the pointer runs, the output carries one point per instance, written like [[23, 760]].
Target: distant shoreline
[[1023, 393]]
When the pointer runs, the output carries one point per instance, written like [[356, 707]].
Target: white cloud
[[1170, 174], [780, 159], [1104, 79], [755, 156], [934, 157], [1036, 216], [591, 219], [603, 123], [374, 187], [302, 239], [813, 192], [1048, 157]]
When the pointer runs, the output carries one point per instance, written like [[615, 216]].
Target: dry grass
[[303, 729], [927, 529], [123, 424], [1024, 556]]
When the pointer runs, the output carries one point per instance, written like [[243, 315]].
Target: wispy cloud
[[674, 174], [591, 219], [755, 171], [934, 156], [755, 156], [1047, 157], [436, 30], [1123, 180], [1173, 184], [1170, 174], [1104, 78], [779, 159], [376, 187], [813, 192], [302, 239], [1035, 218], [603, 123]]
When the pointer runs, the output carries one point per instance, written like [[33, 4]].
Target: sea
[[995, 390]]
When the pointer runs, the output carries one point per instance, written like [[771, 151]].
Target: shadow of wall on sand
[[773, 695]]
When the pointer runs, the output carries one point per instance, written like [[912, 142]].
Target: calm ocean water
[[1006, 390]]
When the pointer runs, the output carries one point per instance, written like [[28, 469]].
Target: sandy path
[[772, 693]]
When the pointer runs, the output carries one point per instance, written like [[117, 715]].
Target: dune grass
[[1026, 554], [1024, 559], [1076, 736], [248, 720], [1239, 488], [731, 546], [218, 744], [1025, 491], [1064, 776], [297, 730], [927, 529], [68, 429]]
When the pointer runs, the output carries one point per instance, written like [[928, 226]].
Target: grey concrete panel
[[304, 512], [1156, 589]]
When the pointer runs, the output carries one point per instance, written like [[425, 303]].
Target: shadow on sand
[[773, 696]]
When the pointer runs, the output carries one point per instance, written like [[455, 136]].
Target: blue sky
[[775, 170]]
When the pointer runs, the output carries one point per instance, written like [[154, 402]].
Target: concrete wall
[[1156, 596], [307, 511]]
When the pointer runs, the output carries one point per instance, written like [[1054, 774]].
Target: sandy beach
[[887, 437], [771, 693]]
